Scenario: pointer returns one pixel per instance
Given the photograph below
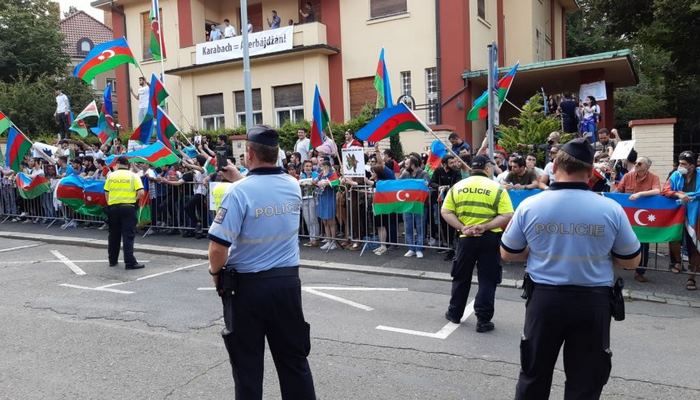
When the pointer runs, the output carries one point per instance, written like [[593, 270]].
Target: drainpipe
[[438, 111]]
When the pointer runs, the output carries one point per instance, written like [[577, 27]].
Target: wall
[[654, 139], [482, 33], [408, 40], [558, 34], [519, 31]]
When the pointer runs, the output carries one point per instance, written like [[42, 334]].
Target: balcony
[[274, 43]]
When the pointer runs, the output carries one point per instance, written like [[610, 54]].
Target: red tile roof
[[81, 25]]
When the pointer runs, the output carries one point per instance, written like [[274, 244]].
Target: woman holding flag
[[327, 181]]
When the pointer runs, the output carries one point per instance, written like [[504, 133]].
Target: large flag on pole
[[104, 57], [165, 128], [382, 84], [106, 130], [479, 109], [389, 122], [157, 44], [144, 131], [157, 155], [156, 94], [320, 121], [17, 147], [79, 126], [5, 123]]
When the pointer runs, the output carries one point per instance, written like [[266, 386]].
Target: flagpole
[[513, 105], [430, 131], [162, 44]]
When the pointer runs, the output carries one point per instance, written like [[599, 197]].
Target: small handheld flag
[[438, 150], [79, 126], [480, 108], [17, 148], [389, 122], [320, 121]]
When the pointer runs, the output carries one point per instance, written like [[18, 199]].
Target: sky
[[81, 5]]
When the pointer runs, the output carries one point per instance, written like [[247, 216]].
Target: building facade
[[431, 47], [81, 33]]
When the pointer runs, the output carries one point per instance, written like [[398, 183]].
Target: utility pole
[[247, 85], [493, 119]]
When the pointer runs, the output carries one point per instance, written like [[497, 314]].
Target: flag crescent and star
[[399, 198], [106, 55], [638, 214]]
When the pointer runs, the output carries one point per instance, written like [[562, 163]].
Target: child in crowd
[[308, 202], [326, 204]]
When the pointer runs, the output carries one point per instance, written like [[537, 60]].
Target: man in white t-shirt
[[142, 97], [229, 30], [302, 145], [281, 158]]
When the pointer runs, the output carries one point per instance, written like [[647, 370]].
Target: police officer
[[254, 259], [571, 238], [478, 208], [123, 190]]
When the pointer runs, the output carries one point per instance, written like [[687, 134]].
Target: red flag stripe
[[406, 195], [662, 218], [390, 124], [118, 51], [69, 192]]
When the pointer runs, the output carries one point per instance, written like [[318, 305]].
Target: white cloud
[[81, 5]]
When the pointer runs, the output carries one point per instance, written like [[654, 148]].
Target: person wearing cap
[[123, 190], [682, 181], [478, 208], [254, 262], [570, 238]]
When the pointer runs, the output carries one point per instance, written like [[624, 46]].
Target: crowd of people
[[215, 32]]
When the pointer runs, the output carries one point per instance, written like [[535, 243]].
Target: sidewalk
[[663, 287]]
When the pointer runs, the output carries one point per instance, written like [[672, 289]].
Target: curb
[[333, 266]]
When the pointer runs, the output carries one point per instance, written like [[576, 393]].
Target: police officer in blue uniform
[[254, 260], [571, 238]]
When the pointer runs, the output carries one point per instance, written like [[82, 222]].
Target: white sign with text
[[354, 162], [622, 150], [595, 89], [270, 41]]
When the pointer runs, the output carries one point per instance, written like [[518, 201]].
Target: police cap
[[122, 160], [264, 135], [579, 149], [480, 162]]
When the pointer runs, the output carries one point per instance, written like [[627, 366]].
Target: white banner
[[46, 148], [354, 162], [595, 89], [270, 41], [622, 150]]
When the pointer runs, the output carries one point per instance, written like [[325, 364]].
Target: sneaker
[[332, 246], [432, 242], [380, 250], [72, 224], [484, 326], [410, 253], [419, 254], [103, 227], [15, 219], [326, 246]]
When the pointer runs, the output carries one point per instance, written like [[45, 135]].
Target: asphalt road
[[74, 328]]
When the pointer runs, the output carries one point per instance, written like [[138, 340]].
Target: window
[[481, 9], [240, 107], [406, 83], [362, 93], [386, 8], [431, 94], [541, 43], [146, 33], [289, 103], [211, 108], [111, 81], [84, 46]]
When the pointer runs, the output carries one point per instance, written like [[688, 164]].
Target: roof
[[80, 25]]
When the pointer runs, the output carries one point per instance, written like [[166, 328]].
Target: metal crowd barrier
[[183, 208]]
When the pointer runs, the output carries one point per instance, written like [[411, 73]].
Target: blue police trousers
[[482, 251], [121, 219]]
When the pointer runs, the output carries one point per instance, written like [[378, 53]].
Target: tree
[[30, 41]]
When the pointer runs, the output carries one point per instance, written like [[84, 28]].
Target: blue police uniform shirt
[[259, 221], [572, 234]]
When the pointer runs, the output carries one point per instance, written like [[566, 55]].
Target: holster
[[226, 288], [528, 286], [617, 301]]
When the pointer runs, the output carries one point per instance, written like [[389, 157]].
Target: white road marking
[[70, 264], [206, 288], [26, 246], [441, 334], [97, 289], [153, 275], [58, 262], [338, 299], [355, 288]]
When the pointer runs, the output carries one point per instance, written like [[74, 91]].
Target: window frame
[[291, 109], [431, 97], [481, 9], [394, 14], [406, 83], [215, 117], [240, 115]]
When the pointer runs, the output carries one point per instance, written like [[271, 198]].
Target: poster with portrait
[[354, 162]]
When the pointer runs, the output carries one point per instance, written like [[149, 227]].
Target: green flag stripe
[[107, 65], [399, 207], [647, 234]]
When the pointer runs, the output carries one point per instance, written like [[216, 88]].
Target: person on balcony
[[229, 30], [307, 14], [276, 20], [215, 33]]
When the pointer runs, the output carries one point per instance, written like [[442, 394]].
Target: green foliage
[[30, 104], [30, 40], [532, 126]]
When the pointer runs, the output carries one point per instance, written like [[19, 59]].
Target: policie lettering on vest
[[486, 192], [571, 229]]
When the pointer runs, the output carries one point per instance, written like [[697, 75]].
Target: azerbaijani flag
[[389, 122], [144, 131], [17, 147], [382, 84], [334, 179], [157, 44], [400, 196], [79, 126], [479, 109], [106, 130], [210, 165], [30, 188], [320, 121], [156, 93], [165, 128], [84, 196], [104, 57], [654, 219], [157, 155], [438, 150], [5, 123]]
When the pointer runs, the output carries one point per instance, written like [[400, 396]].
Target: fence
[[183, 208]]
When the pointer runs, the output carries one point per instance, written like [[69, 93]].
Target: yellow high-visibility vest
[[122, 186]]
